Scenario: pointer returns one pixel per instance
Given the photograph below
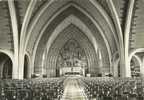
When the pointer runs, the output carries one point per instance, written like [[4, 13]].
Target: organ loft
[[71, 49]]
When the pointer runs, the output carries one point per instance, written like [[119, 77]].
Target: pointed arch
[[99, 11], [7, 68], [72, 19], [51, 2], [6, 64], [135, 51], [138, 59], [71, 2], [7, 52], [71, 32], [139, 62], [27, 66]]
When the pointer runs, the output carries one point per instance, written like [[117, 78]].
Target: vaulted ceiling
[[27, 25]]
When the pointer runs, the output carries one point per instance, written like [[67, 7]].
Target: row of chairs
[[34, 89], [114, 88]]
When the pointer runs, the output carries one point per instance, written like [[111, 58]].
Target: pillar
[[142, 68], [126, 70]]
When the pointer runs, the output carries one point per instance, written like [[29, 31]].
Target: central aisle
[[73, 90]]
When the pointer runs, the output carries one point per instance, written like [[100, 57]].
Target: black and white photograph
[[71, 49]]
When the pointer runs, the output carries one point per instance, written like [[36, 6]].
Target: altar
[[72, 59], [72, 71]]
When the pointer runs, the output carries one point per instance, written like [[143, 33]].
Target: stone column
[[142, 67], [126, 69], [15, 38]]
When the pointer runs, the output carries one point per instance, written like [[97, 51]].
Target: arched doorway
[[135, 67], [5, 66], [26, 67]]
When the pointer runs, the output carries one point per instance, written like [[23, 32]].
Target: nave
[[44, 42]]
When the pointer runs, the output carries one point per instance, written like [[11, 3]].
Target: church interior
[[71, 50]]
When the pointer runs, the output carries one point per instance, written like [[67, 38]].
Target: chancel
[[72, 59], [71, 50]]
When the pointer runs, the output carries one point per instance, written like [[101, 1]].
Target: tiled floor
[[73, 91]]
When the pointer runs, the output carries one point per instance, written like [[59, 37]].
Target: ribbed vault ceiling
[[71, 32], [43, 16], [21, 9], [48, 33], [53, 11]]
